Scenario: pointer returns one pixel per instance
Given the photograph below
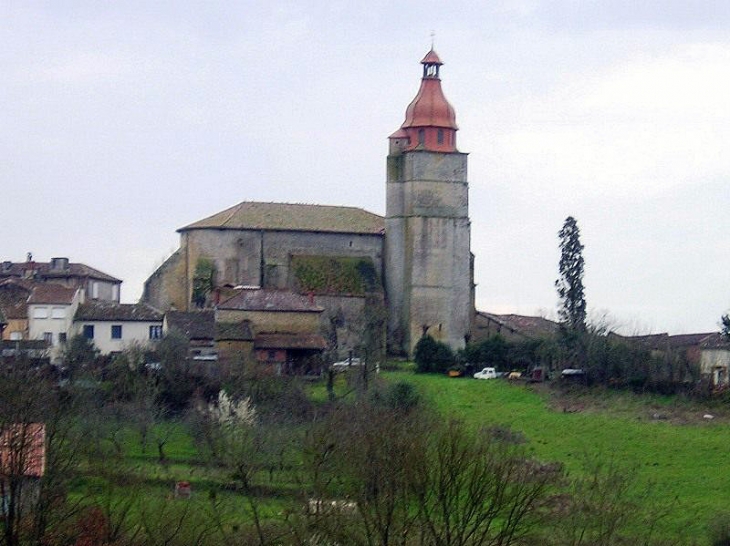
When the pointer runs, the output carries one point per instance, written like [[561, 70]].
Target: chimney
[[29, 269], [59, 264], [311, 298]]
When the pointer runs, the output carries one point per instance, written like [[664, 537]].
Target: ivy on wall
[[335, 275], [203, 281]]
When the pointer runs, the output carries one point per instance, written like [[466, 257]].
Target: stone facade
[[248, 258], [427, 248], [420, 252], [429, 266]]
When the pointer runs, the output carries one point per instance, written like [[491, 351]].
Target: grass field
[[664, 440], [667, 440]]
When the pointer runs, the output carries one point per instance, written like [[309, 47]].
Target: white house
[[715, 359], [113, 327], [51, 309]]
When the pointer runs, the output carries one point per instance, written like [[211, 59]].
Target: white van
[[486, 373]]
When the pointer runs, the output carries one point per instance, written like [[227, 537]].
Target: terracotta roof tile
[[257, 299], [45, 293], [14, 295], [294, 217], [525, 325], [710, 340], [112, 311], [45, 270], [23, 449], [290, 341], [431, 58], [194, 325], [688, 340]]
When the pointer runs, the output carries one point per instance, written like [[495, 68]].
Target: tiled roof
[[711, 340], [23, 449], [649, 341], [44, 270], [294, 217], [524, 325], [14, 298], [234, 331], [45, 293], [112, 311], [703, 340], [192, 324], [269, 300], [290, 341], [716, 341]]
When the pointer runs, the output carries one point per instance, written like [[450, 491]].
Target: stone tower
[[429, 273]]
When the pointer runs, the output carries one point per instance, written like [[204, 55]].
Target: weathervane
[[433, 35]]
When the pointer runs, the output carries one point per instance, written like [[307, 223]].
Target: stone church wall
[[342, 323], [279, 246], [429, 275], [166, 287]]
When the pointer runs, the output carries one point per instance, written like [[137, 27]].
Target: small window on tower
[[421, 136], [440, 136]]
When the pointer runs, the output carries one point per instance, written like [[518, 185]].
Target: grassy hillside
[[668, 442]]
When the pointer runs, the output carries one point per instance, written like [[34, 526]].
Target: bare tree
[[479, 489], [39, 444]]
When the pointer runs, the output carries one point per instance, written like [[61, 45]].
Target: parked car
[[345, 364], [486, 373]]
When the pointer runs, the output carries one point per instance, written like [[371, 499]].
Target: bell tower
[[429, 272]]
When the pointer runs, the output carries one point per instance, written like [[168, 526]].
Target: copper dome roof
[[430, 107]]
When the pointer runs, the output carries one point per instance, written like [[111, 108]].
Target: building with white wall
[[51, 309], [114, 327]]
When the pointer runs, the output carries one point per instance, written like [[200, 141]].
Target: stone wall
[[237, 254], [341, 324], [166, 288], [429, 277], [267, 321]]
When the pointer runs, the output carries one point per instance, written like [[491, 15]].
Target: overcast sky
[[121, 122]]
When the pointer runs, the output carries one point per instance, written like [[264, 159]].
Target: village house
[[14, 294], [114, 327], [51, 309], [284, 326], [198, 327], [22, 465], [512, 327], [709, 352], [95, 284]]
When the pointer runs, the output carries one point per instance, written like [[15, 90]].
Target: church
[[334, 261]]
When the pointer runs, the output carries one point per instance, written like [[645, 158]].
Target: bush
[[432, 356], [400, 396]]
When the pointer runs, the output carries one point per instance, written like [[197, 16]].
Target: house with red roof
[[51, 309], [283, 326], [22, 465], [95, 284]]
